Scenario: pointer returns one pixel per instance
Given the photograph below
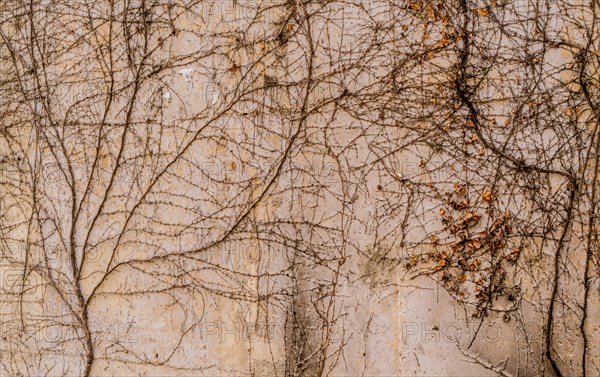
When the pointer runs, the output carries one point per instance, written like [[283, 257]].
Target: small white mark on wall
[[187, 73]]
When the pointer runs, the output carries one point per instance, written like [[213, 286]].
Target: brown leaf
[[487, 196], [431, 12], [476, 244], [415, 6], [441, 264], [569, 111]]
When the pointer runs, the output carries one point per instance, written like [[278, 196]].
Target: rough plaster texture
[[195, 288]]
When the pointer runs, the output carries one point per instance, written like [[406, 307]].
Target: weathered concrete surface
[[232, 229]]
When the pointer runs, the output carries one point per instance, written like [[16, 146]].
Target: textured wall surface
[[299, 188]]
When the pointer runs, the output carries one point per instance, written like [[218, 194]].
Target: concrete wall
[[235, 188]]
